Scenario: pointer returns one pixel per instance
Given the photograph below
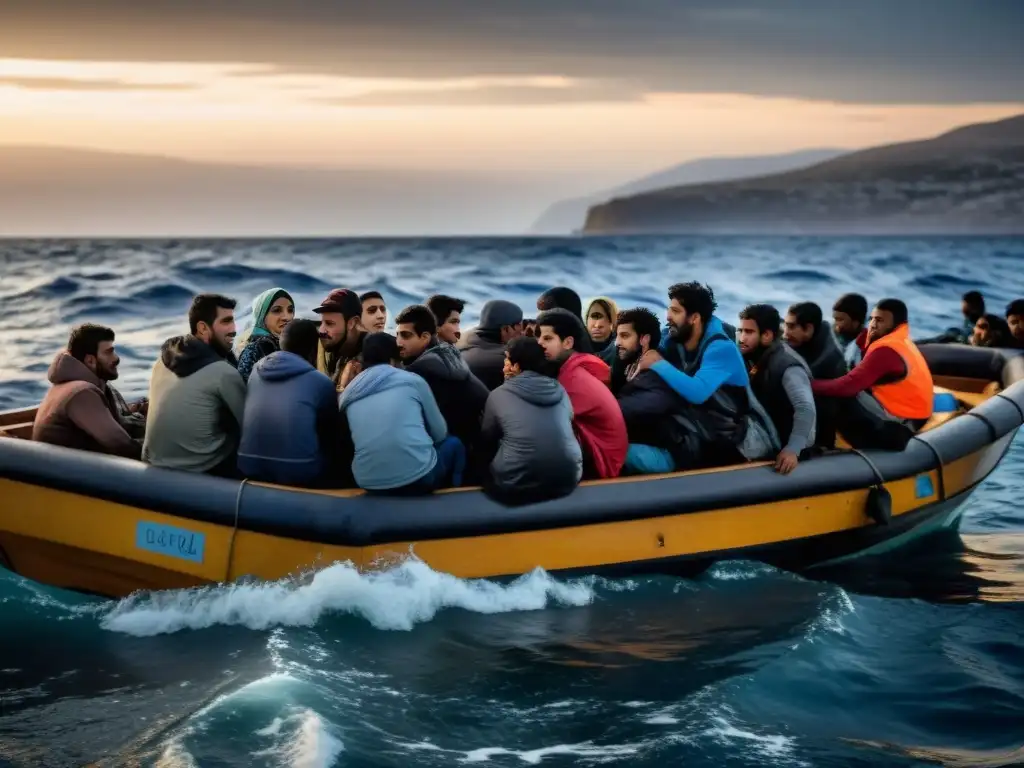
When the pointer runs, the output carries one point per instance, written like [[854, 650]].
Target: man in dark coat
[[807, 333], [483, 347], [460, 395]]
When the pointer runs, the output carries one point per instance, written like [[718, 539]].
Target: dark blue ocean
[[913, 660]]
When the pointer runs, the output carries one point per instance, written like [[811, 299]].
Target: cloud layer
[[877, 51]]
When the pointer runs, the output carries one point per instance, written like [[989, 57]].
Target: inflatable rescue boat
[[110, 526]]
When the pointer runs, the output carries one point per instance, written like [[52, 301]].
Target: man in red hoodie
[[597, 418]]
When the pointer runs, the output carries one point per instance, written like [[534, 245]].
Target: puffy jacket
[[292, 432], [395, 424], [647, 404], [484, 356], [196, 407], [823, 354], [598, 420], [77, 412], [460, 395], [530, 417]]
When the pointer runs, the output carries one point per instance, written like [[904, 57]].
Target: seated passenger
[[483, 347], [527, 434], [1015, 321], [991, 331], [530, 327], [600, 319], [271, 312], [401, 441], [807, 334], [598, 420], [560, 297], [341, 336], [781, 380], [448, 314], [972, 307], [196, 395], [375, 313], [657, 441], [81, 408], [459, 394], [849, 315], [292, 432], [893, 371], [703, 365]]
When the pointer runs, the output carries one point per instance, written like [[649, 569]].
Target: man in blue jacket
[[703, 365], [401, 439], [292, 433]]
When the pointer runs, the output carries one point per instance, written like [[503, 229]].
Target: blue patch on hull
[[168, 540], [923, 487]]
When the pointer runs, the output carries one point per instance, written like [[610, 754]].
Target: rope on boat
[[234, 530], [870, 463], [938, 465]]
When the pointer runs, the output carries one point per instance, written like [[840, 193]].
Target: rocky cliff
[[967, 181]]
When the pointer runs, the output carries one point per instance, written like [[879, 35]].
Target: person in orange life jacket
[[598, 420], [893, 369], [1015, 321], [460, 395], [81, 408], [341, 336], [849, 318], [448, 314], [700, 361], [807, 334], [781, 379]]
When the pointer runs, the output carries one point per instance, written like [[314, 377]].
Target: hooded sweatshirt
[[530, 417], [485, 356], [77, 412], [395, 424], [292, 431], [599, 424], [460, 395], [196, 407]]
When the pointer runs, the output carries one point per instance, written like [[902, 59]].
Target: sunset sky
[[578, 92]]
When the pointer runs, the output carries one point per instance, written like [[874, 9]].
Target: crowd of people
[[526, 407]]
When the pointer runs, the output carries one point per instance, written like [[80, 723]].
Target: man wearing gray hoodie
[[197, 395], [527, 429], [401, 439]]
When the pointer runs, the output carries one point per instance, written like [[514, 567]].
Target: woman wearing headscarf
[[600, 320], [271, 311]]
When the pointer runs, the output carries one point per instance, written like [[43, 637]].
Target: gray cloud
[[923, 51], [68, 84]]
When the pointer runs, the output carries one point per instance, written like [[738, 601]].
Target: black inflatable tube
[[364, 520]]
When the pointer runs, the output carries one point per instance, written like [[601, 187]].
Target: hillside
[[567, 216], [967, 181], [63, 192]]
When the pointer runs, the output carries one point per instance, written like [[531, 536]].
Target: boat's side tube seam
[[234, 531], [938, 465], [1011, 401], [992, 431]]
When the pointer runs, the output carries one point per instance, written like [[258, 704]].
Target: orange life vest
[[913, 396]]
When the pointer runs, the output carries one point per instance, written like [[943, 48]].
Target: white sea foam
[[310, 741], [535, 756], [407, 594]]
